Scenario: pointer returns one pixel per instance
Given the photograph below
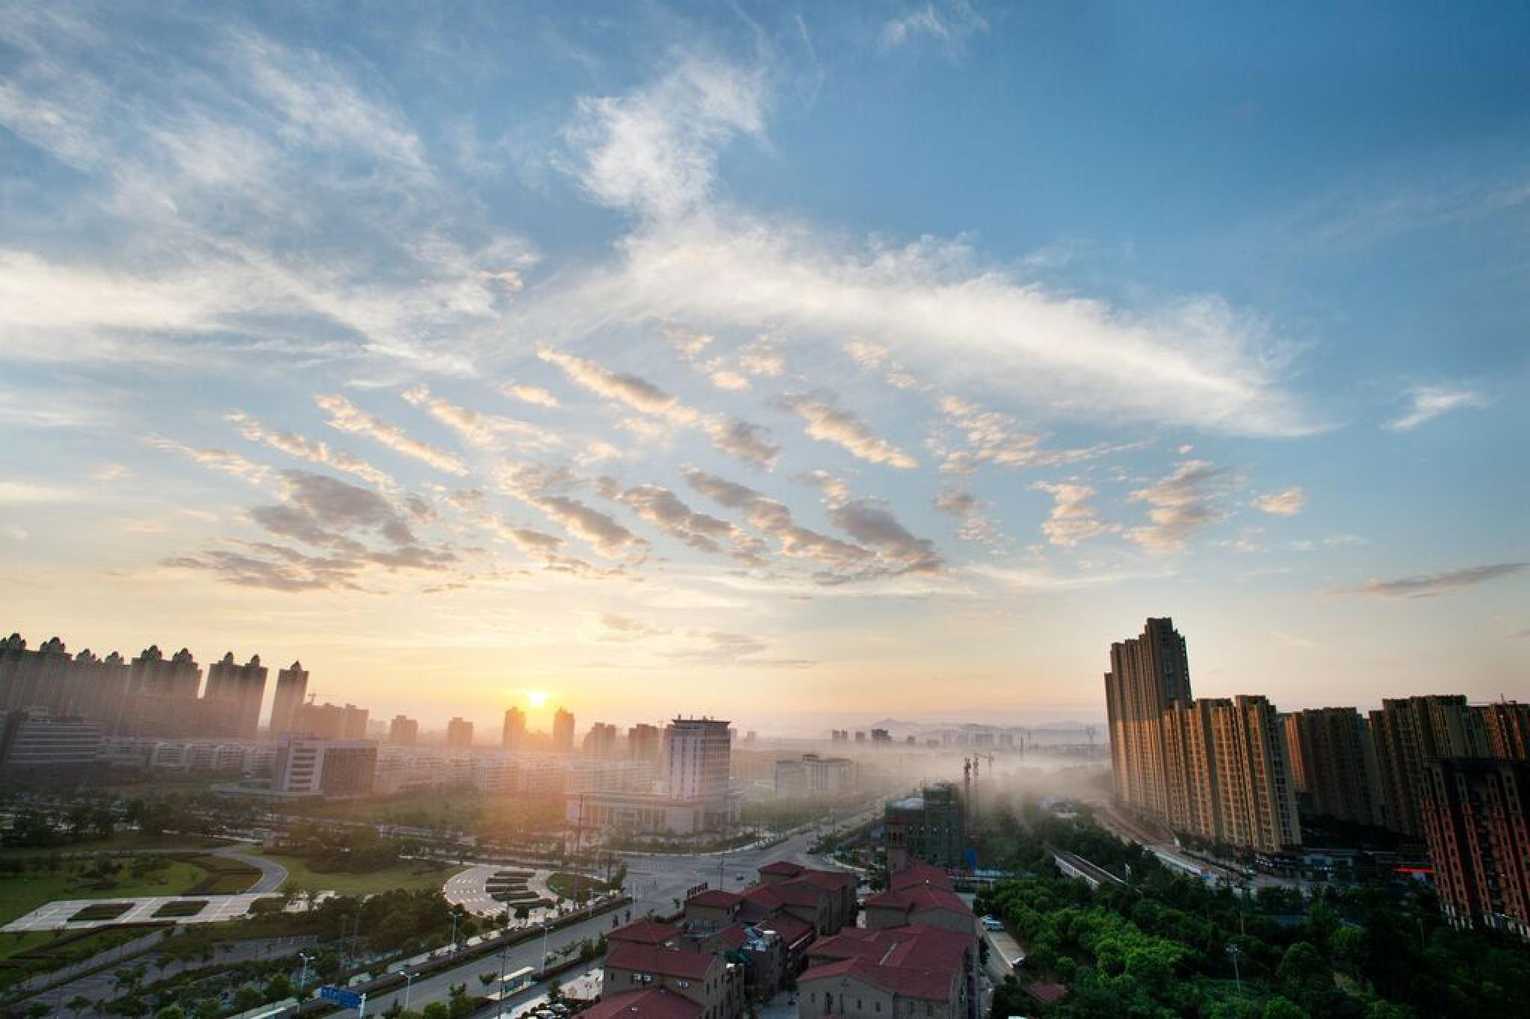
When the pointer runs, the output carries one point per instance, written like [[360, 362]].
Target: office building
[[563, 731], [1475, 814], [513, 735], [291, 688], [644, 742], [35, 744], [812, 776], [600, 741], [323, 767], [1148, 675], [1333, 765], [929, 827], [403, 731], [233, 697], [697, 758], [459, 734]]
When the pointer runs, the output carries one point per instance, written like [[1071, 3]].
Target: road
[[272, 874]]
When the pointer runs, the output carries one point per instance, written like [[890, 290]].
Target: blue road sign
[[340, 996]]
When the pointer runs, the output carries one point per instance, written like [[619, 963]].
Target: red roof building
[[653, 1003]]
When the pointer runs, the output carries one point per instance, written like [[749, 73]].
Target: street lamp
[[408, 985], [1232, 950], [303, 973]]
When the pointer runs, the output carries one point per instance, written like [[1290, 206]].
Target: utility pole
[[408, 986]]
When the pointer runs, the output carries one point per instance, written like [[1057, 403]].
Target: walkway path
[[272, 874]]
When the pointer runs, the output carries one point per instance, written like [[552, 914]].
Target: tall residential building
[[1333, 765], [233, 696], [1216, 768], [403, 731], [1410, 732], [697, 758], [459, 734], [644, 742], [331, 721], [353, 722], [1148, 674], [162, 695], [291, 688], [1475, 814], [563, 731], [513, 736], [600, 740], [1506, 725]]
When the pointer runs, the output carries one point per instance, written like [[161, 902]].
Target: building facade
[[1476, 817], [459, 734], [1148, 675], [1333, 765], [323, 767], [512, 735], [291, 688], [929, 828]]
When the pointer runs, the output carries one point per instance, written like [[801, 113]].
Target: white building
[[812, 776], [697, 757], [324, 767]]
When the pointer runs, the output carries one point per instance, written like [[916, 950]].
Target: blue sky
[[773, 361]]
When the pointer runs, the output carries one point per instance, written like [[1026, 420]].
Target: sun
[[536, 698]]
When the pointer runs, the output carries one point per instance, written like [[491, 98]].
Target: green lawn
[[22, 955], [120, 842], [410, 877], [22, 893]]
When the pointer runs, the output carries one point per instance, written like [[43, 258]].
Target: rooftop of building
[[650, 1003], [685, 964], [909, 981], [644, 932]]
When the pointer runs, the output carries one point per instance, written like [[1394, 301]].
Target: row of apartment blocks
[[1239, 772], [151, 695], [916, 954]]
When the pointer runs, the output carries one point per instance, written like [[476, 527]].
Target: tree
[[78, 1003], [171, 1012], [487, 977], [436, 1010], [1282, 1008], [1303, 975], [278, 987]]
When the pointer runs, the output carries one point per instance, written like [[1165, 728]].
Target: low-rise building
[[33, 742], [318, 767], [714, 986]]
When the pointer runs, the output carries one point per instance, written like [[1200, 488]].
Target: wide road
[[272, 874], [654, 882]]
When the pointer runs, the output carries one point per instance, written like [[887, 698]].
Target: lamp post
[[303, 973], [499, 1010], [408, 986], [543, 968], [1232, 950]]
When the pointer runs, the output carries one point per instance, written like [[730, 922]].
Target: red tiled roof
[[833, 879], [917, 944], [920, 874], [791, 929], [733, 936], [918, 897], [716, 898], [784, 868], [909, 981], [764, 896], [798, 892], [644, 932], [670, 962], [650, 1003]]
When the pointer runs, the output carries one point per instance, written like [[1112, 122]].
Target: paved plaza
[[54, 916]]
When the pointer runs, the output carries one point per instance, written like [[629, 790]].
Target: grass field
[[569, 886], [23, 955], [410, 877], [20, 894]]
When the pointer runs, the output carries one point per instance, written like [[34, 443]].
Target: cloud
[[662, 508], [772, 518], [534, 395], [950, 25], [876, 528], [761, 359], [639, 394], [1072, 519], [1181, 504], [598, 530], [347, 417], [486, 431], [992, 437], [311, 450], [964, 506], [337, 504], [745, 441], [1429, 402], [217, 459], [827, 423], [1428, 585], [21, 493], [1287, 503], [280, 569], [654, 151], [835, 491]]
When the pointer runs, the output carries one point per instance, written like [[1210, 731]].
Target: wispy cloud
[[534, 395], [1286, 503], [1427, 585], [1425, 403], [1180, 505], [487, 431], [828, 423], [347, 417], [949, 24], [1072, 519], [312, 450]]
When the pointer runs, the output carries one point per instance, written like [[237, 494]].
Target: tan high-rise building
[[233, 697], [1189, 743], [1148, 675], [1257, 801], [1333, 766], [600, 741], [513, 735], [291, 688], [403, 731], [563, 731], [643, 742], [459, 734], [1475, 815]]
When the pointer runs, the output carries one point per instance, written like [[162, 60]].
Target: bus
[[517, 981]]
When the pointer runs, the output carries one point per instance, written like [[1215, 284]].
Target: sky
[[790, 364]]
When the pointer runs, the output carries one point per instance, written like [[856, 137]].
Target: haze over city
[[796, 366]]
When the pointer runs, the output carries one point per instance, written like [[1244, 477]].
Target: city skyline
[[783, 365]]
